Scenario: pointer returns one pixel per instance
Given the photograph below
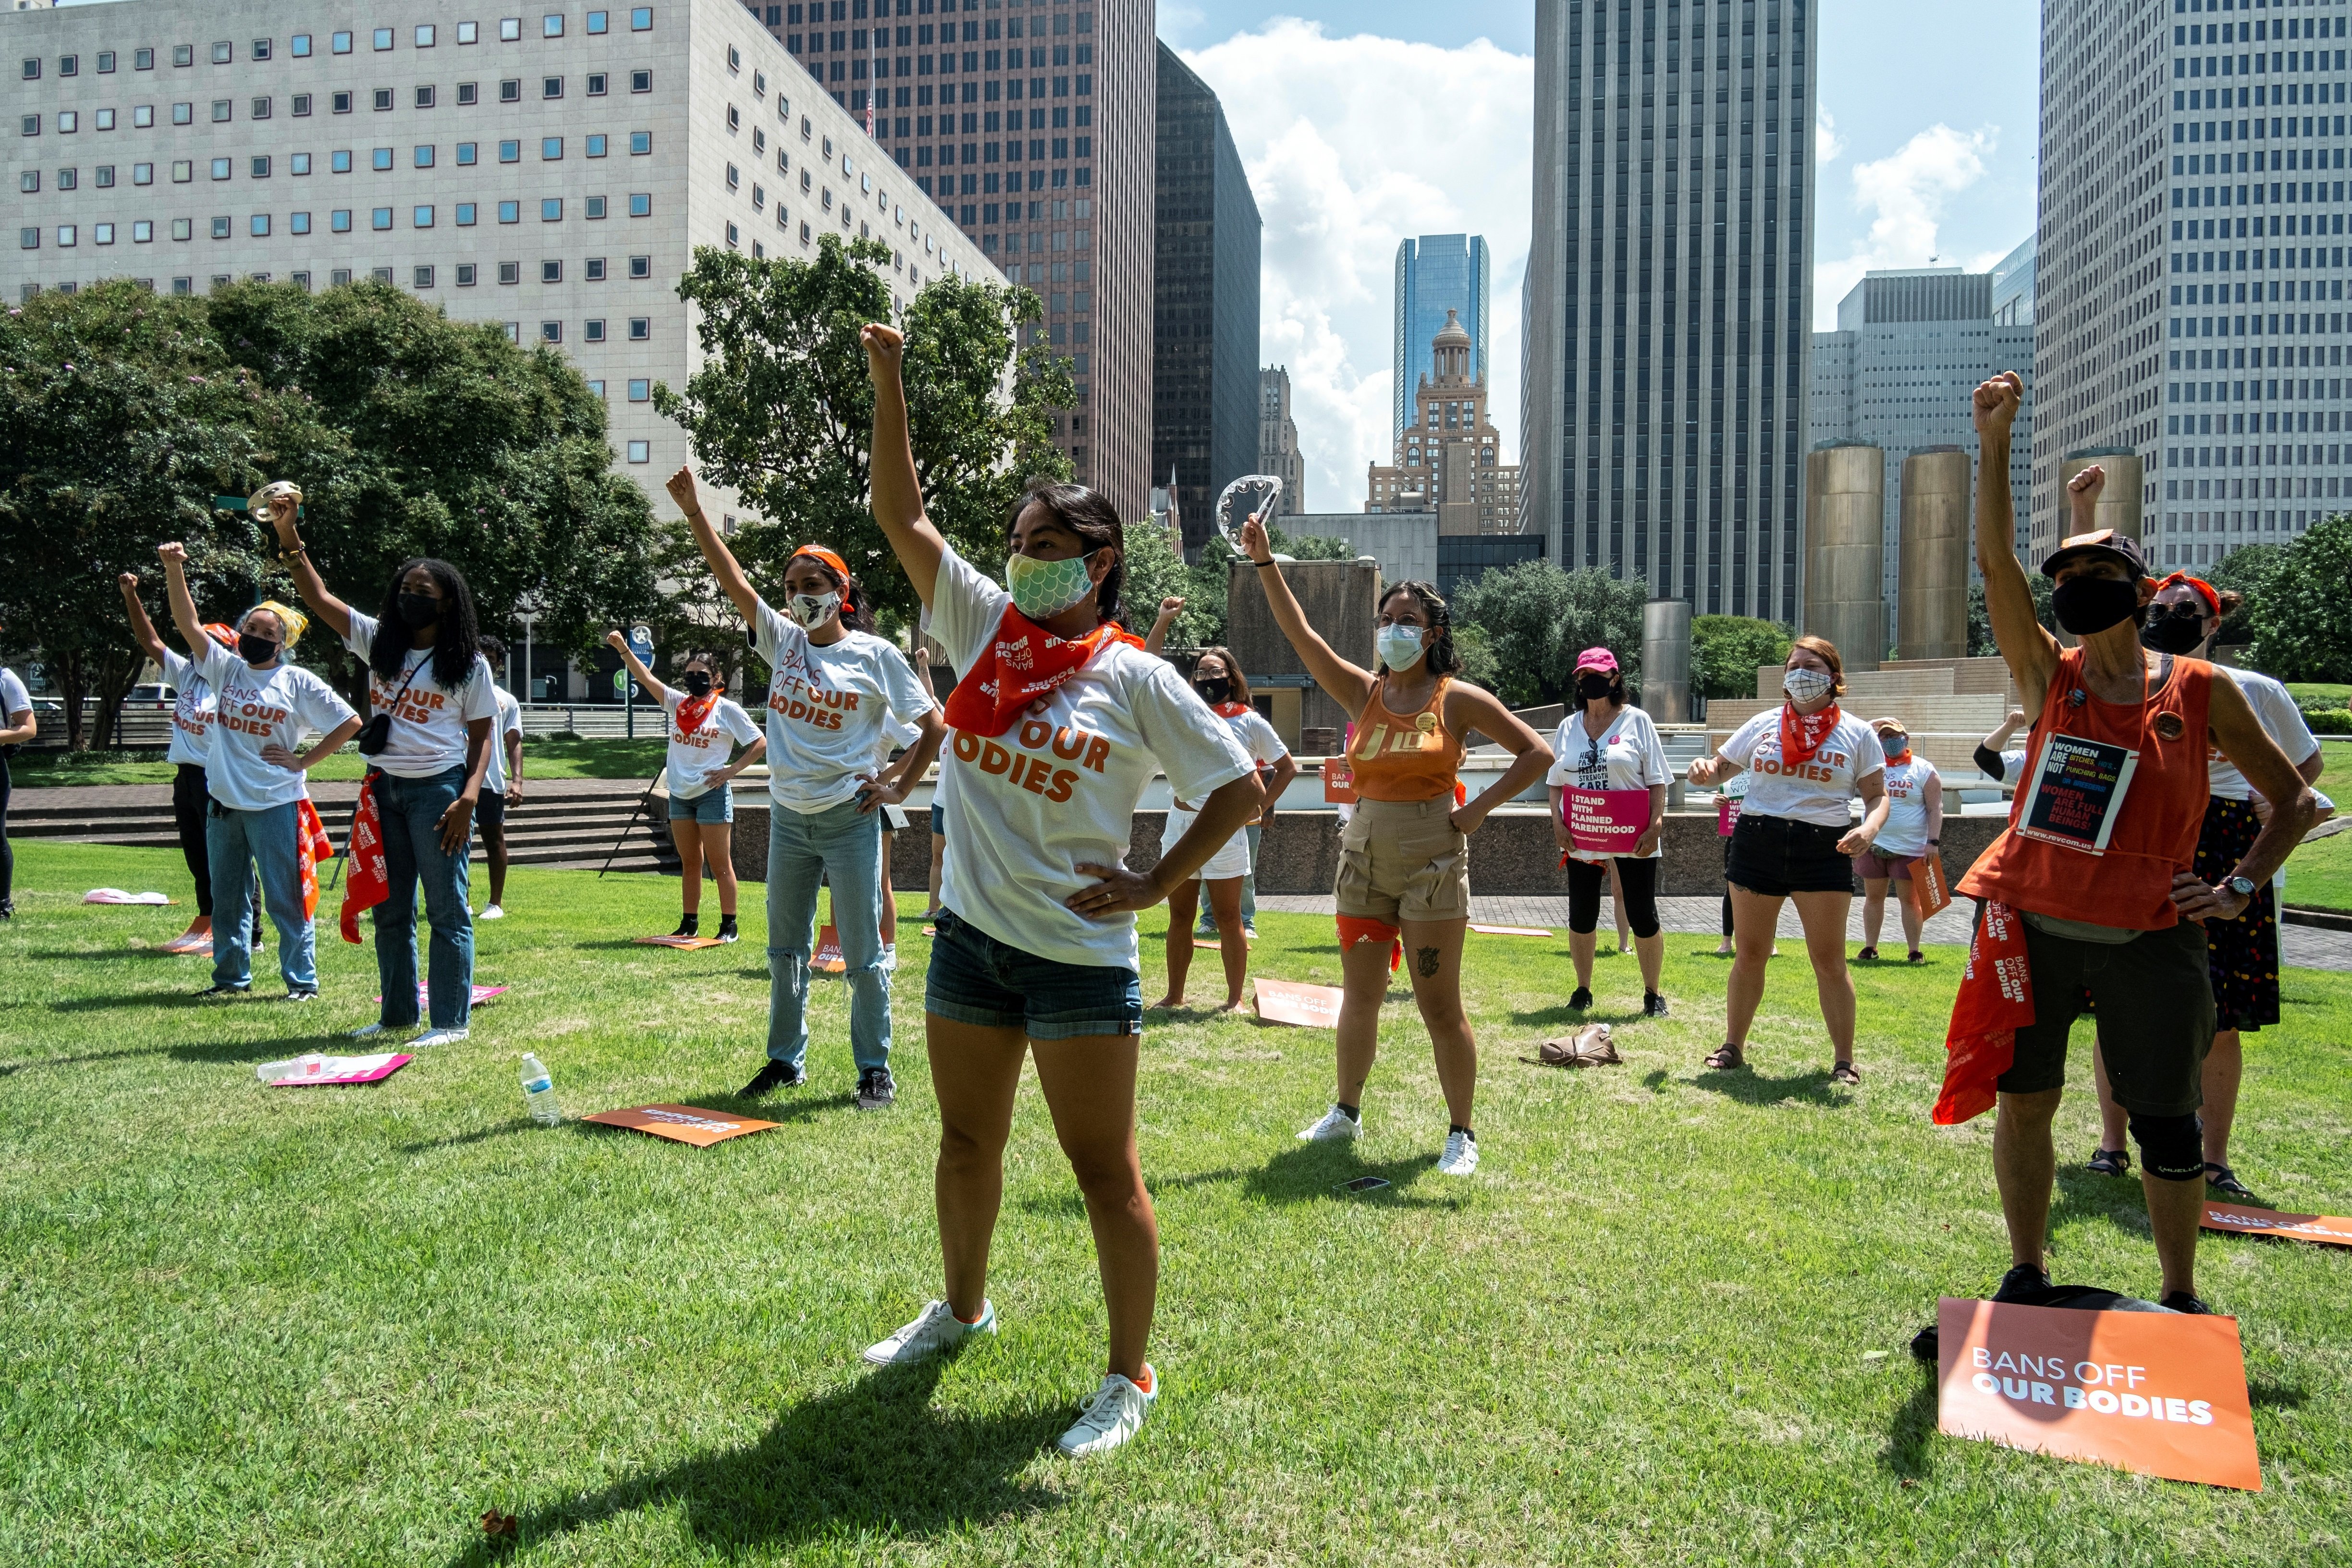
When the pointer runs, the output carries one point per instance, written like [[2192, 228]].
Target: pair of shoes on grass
[[876, 1091], [1459, 1157], [1108, 1418], [1652, 1004], [423, 1042]]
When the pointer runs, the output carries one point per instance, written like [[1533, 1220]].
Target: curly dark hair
[[455, 646], [1438, 647], [493, 648], [1088, 514]]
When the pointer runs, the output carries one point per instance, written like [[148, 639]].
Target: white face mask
[[1400, 646], [812, 610], [1807, 685]]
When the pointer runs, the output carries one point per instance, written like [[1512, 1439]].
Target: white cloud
[[1351, 145], [1907, 191], [1826, 143]]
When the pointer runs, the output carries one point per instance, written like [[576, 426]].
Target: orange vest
[[1409, 756], [2156, 830]]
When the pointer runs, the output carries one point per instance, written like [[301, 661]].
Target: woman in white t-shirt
[[17, 725], [1915, 826], [703, 727], [1807, 760], [833, 685], [1061, 720], [1606, 746], [433, 705], [256, 781]]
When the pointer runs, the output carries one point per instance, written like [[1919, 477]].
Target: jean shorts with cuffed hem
[[990, 984], [710, 805]]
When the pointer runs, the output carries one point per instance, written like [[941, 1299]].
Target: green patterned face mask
[[1044, 589]]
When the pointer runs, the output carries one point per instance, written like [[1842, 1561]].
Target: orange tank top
[[1404, 756], [2156, 827]]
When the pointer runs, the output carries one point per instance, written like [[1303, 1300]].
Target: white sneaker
[[438, 1038], [1111, 1415], [937, 1329], [492, 913], [1461, 1157], [365, 1032], [1337, 1127]]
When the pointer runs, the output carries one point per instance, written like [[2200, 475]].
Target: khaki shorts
[[1403, 860]]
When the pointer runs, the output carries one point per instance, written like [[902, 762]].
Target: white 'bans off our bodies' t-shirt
[[1627, 755], [1061, 785], [1814, 791], [1904, 837], [192, 711], [509, 722], [258, 707], [428, 721], [694, 758], [826, 709]]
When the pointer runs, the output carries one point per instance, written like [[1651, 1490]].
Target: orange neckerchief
[[1230, 709], [1995, 1001], [1024, 664], [1802, 734], [692, 712]]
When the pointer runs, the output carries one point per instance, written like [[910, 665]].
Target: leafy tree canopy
[[1727, 650], [2297, 607], [1536, 618]]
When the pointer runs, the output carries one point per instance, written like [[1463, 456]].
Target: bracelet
[[1262, 565]]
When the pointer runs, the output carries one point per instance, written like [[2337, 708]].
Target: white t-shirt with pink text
[[694, 758], [1815, 790]]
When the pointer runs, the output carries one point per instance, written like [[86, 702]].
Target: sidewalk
[[2301, 947]]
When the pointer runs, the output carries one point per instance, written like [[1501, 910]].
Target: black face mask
[[419, 610], [2087, 605], [2175, 631], [1593, 688], [1214, 691], [255, 650], [698, 684]]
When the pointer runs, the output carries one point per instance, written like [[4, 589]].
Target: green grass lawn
[[2320, 875], [2325, 693], [548, 757], [1664, 1323]]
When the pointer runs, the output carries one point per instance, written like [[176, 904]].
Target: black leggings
[[1588, 882], [1727, 884], [8, 854], [191, 803]]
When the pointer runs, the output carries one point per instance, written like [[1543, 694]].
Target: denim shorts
[[938, 820], [976, 979], [1778, 856], [711, 805]]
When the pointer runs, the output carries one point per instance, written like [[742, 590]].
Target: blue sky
[[1361, 123]]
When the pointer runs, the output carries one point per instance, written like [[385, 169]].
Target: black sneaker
[[876, 1090], [223, 992], [1581, 999], [2223, 1180], [775, 1074], [1652, 1004], [726, 931], [686, 927], [301, 994], [7, 908], [2021, 1282], [2187, 1301]]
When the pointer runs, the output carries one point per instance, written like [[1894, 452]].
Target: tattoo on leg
[[1425, 959]]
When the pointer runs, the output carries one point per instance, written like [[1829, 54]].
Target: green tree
[[1980, 642], [2252, 572], [2300, 616], [1154, 571], [1308, 546], [1726, 651], [120, 419], [782, 411], [1538, 618], [413, 435]]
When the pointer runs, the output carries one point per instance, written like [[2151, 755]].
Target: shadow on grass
[[1906, 1452], [2274, 1397], [1750, 1087], [1312, 1172], [1578, 1015], [278, 1048], [1069, 1203], [98, 955], [875, 1458]]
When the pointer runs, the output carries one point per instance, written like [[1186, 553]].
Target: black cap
[[2105, 543]]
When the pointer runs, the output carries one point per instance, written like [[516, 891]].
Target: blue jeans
[[1249, 888], [270, 840], [411, 811], [990, 984], [846, 845]]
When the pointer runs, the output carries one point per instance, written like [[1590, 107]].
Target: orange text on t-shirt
[[1822, 769], [255, 718], [812, 704], [1027, 767]]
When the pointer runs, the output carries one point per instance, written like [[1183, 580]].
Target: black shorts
[[490, 811], [2154, 1011], [1776, 856]]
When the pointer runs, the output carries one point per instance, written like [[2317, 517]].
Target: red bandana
[[1024, 664], [1995, 1000], [1802, 734], [1230, 709], [368, 884], [691, 713]]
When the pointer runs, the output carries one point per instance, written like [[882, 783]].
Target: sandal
[[1726, 1056], [1844, 1073], [1917, 957], [2109, 1163], [2222, 1179], [1867, 955]]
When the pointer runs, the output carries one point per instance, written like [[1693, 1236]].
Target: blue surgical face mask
[[1400, 646], [1044, 589]]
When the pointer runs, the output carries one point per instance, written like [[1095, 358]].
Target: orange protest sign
[[682, 1123], [683, 942], [2162, 1393], [827, 959], [2270, 1222], [1282, 1002], [1339, 783], [1926, 890]]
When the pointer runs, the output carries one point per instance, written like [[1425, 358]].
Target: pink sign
[[345, 1069], [1727, 814], [1606, 821]]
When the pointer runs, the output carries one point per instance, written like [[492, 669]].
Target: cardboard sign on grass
[[347, 1070], [1282, 1002], [685, 941], [682, 1123], [2247, 1221], [1510, 931], [2162, 1393], [117, 896]]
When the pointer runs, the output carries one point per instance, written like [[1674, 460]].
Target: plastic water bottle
[[538, 1091], [310, 1065]]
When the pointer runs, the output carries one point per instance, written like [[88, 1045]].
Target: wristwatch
[[2242, 887]]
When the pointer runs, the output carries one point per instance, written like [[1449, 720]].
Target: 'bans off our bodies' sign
[[1606, 821]]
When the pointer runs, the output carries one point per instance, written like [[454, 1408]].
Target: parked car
[[151, 694]]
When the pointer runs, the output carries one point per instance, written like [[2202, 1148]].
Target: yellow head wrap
[[292, 619]]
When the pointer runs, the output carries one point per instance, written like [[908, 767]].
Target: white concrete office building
[[551, 171]]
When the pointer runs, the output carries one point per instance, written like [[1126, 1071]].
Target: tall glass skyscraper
[[1434, 274], [1669, 295]]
